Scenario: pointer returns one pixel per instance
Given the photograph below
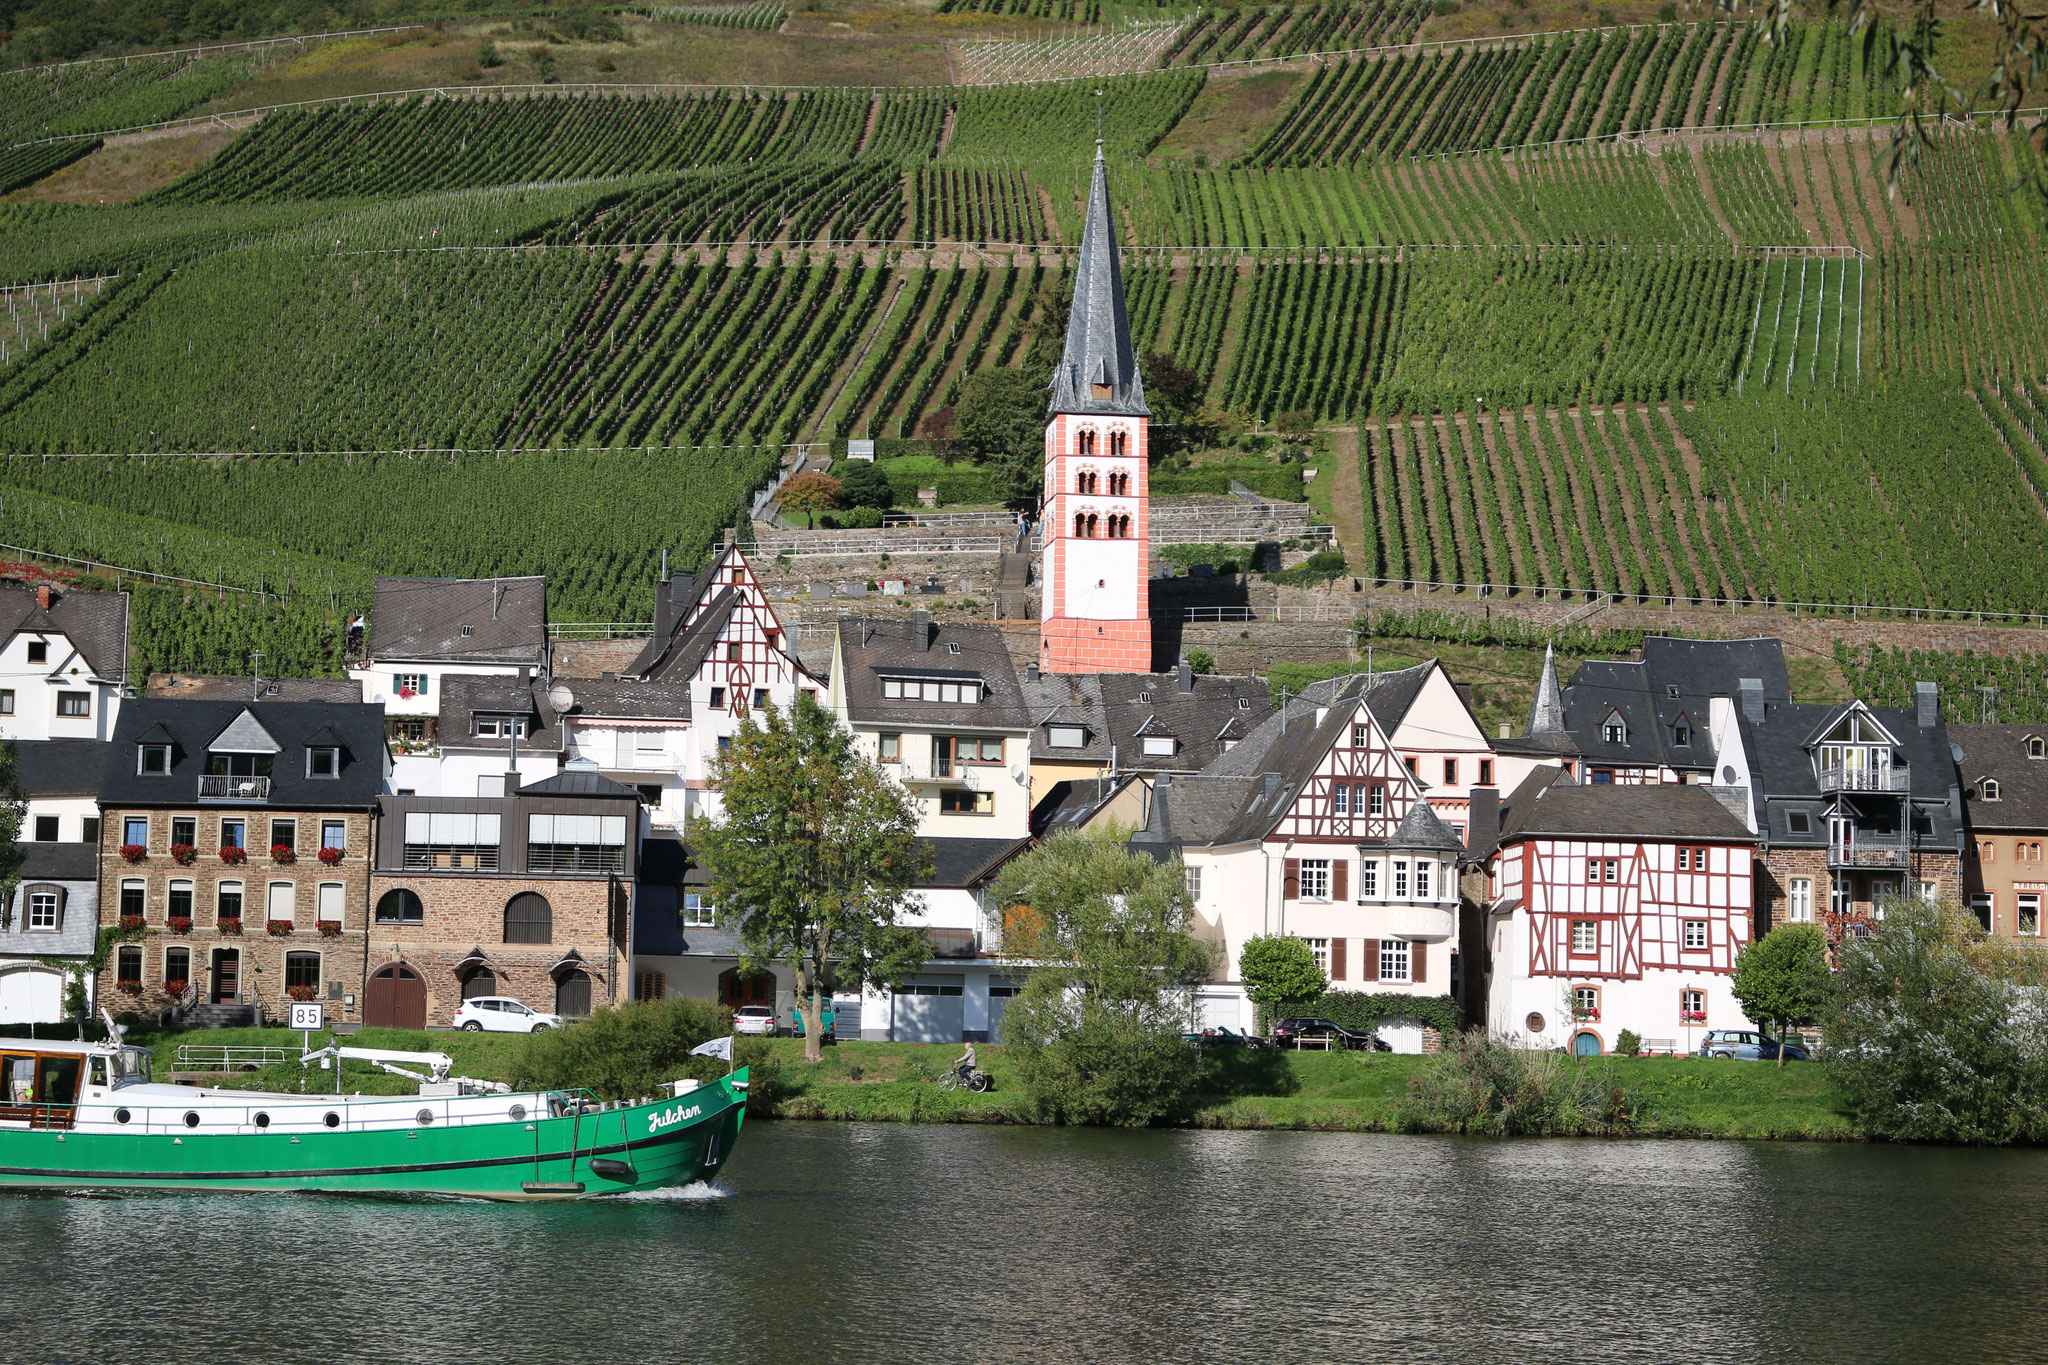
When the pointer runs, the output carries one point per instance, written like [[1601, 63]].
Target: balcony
[[972, 776], [1870, 850], [223, 787], [625, 758], [1895, 779], [1425, 921]]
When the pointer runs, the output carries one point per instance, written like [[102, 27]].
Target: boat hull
[[580, 1155]]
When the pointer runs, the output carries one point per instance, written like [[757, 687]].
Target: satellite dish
[[561, 698], [1955, 751]]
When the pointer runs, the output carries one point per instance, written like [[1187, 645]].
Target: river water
[[883, 1243]]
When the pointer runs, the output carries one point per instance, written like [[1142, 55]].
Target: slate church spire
[[1098, 371]]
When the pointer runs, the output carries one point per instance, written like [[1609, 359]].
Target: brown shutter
[[1369, 950], [1290, 883], [1418, 962], [1340, 879], [1337, 945]]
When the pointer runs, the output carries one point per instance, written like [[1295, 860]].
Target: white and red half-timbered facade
[[1617, 910], [1095, 608]]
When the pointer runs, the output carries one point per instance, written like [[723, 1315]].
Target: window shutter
[[1290, 884], [1337, 945], [1418, 962], [1340, 879], [1369, 969]]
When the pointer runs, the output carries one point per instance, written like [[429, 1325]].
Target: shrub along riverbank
[[1337, 1092]]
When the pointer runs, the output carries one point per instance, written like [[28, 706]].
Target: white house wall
[[36, 685]]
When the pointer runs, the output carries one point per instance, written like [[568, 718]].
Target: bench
[[1665, 1046]]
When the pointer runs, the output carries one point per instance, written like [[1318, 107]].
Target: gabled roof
[[96, 624], [1782, 771], [1546, 712], [1098, 349], [1073, 803], [178, 686], [573, 783], [626, 699], [244, 735], [1674, 676], [1541, 806], [1999, 752], [874, 646], [193, 726], [60, 767], [423, 619], [1840, 712], [969, 862]]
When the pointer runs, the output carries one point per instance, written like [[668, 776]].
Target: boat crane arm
[[386, 1059]]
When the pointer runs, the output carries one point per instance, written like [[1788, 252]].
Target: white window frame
[[1340, 798], [1194, 877], [1693, 935], [697, 912], [144, 752], [330, 898], [1320, 948], [42, 912], [1400, 880], [1315, 880], [1397, 960], [1585, 943], [1422, 878], [416, 683], [82, 700], [1799, 901], [2023, 902], [1368, 878], [281, 896]]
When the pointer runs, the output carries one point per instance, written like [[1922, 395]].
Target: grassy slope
[[1677, 1097]]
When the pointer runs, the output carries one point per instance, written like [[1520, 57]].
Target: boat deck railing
[[56, 1117], [224, 1057]]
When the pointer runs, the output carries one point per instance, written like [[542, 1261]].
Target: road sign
[[308, 1016]]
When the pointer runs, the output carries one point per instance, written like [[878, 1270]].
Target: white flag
[[720, 1048]]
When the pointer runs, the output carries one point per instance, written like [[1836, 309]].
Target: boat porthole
[[122, 1116], [425, 1116], [191, 1118], [263, 1120], [333, 1120], [516, 1112]]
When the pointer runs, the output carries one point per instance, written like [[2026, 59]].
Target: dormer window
[[154, 760], [2037, 747], [1160, 746], [500, 725], [1614, 730], [1144, 696], [952, 647], [1991, 789], [468, 631], [1671, 691], [1066, 737], [1681, 733], [932, 689], [323, 760], [1245, 704]]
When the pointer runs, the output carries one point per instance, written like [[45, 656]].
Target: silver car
[[1746, 1045]]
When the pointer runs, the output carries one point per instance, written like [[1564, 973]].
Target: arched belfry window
[[1119, 442], [1084, 441], [1120, 484]]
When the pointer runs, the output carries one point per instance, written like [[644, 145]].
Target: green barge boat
[[90, 1116]]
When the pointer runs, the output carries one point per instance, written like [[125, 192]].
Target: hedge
[[1362, 1010], [1268, 481]]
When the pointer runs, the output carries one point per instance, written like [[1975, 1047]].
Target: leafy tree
[[1174, 392], [13, 809], [813, 857], [937, 425], [1783, 979], [1099, 1033], [1202, 661], [1279, 971], [1001, 420], [1940, 1034], [625, 1051], [1296, 427], [811, 494], [865, 485]]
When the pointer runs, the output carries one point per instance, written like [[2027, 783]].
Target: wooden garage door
[[397, 998]]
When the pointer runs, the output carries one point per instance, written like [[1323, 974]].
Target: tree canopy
[[1280, 970], [1000, 419], [812, 858], [812, 493], [1783, 979], [863, 484]]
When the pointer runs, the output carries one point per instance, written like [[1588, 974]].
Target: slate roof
[[465, 694], [1098, 349], [422, 619], [875, 646], [1420, 828], [96, 623], [968, 862], [2000, 752], [1071, 804], [677, 654], [59, 767], [1120, 709], [1673, 678], [192, 725], [574, 783], [189, 688], [1783, 778], [55, 862], [1620, 812], [627, 699]]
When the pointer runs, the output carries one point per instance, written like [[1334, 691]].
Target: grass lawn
[[1347, 1091]]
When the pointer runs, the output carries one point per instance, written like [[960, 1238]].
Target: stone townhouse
[[528, 895], [2005, 807], [235, 842]]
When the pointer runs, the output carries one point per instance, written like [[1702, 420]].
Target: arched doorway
[[1585, 1044], [396, 998], [572, 994], [31, 995], [735, 990], [479, 982]]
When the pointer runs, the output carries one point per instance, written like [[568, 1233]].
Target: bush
[[627, 1052], [1627, 1044], [862, 483], [1365, 1011], [1320, 567], [1481, 1085], [1201, 661], [487, 55], [853, 519]]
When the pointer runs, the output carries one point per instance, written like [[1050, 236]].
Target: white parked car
[[754, 1019], [502, 1014]]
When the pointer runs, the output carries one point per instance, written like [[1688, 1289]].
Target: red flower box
[[131, 987], [233, 853], [184, 855], [227, 925], [330, 856], [303, 993], [174, 989], [283, 853], [278, 927], [330, 928], [134, 853], [178, 924], [131, 923]]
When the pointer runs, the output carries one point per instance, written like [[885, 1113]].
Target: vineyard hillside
[[1645, 307]]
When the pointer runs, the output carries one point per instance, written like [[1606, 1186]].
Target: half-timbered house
[[1616, 909]]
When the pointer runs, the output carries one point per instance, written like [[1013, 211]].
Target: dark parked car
[[1287, 1031], [1747, 1046], [1223, 1037]]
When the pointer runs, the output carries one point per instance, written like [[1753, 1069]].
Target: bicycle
[[973, 1078]]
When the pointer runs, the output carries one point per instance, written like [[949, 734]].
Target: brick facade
[[1780, 866], [462, 930], [257, 971]]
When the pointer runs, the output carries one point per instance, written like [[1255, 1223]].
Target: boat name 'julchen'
[[657, 1122]]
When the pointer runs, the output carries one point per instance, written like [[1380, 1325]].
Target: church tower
[[1095, 616]]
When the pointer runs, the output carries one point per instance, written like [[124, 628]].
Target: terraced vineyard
[[1885, 677], [1268, 31], [88, 97]]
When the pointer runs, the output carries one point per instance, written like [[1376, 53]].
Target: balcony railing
[[1870, 850], [626, 758], [946, 773], [1896, 778], [222, 787], [451, 857]]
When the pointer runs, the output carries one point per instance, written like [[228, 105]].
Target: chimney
[[1926, 705], [1031, 672], [43, 596], [921, 630], [1464, 693], [1751, 691], [497, 596], [1504, 729], [1184, 677], [1482, 820]]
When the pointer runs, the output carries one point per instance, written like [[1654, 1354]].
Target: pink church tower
[[1095, 615]]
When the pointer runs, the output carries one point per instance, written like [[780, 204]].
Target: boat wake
[[696, 1192]]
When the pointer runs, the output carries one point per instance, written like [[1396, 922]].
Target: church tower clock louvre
[[1095, 615]]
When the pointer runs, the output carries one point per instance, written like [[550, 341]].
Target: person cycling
[[967, 1063]]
